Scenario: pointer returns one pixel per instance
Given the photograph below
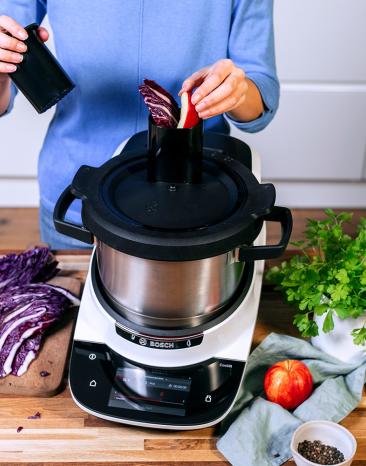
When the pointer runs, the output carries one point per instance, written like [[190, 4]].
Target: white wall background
[[314, 150]]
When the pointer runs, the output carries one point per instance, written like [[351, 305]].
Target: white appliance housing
[[229, 341]]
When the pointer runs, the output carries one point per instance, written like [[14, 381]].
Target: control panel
[[106, 383]]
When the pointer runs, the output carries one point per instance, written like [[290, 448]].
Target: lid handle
[[252, 253], [65, 227]]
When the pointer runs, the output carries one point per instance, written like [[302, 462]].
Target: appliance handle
[[278, 214], [65, 227]]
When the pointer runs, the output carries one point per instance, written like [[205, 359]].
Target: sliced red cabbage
[[14, 298], [48, 271], [27, 352], [13, 344], [29, 266], [17, 337], [27, 321], [53, 304], [162, 105], [35, 318], [27, 309], [72, 298]]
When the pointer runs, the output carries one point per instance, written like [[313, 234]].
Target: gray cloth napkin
[[258, 432]]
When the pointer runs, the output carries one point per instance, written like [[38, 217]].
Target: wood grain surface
[[53, 356], [65, 435]]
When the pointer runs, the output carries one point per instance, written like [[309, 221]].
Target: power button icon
[[208, 399], [92, 356]]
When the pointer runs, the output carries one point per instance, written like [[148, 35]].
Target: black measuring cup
[[39, 76]]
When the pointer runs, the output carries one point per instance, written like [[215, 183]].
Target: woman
[[109, 47]]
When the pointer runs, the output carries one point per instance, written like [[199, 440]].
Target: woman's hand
[[223, 87], [12, 46]]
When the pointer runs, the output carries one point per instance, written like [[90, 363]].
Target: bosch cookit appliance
[[170, 303]]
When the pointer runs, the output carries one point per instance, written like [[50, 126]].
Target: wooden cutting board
[[52, 358]]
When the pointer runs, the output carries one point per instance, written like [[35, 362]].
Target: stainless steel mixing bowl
[[165, 293]]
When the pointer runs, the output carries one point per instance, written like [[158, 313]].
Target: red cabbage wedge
[[27, 307], [162, 105]]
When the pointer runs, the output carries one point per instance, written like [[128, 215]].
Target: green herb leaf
[[342, 312], [307, 327], [330, 213], [320, 309], [359, 336], [338, 292], [328, 324], [345, 216], [342, 276]]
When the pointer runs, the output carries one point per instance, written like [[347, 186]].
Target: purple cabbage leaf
[[27, 309], [162, 105]]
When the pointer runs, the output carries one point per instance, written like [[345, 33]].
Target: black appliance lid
[[164, 221], [171, 206]]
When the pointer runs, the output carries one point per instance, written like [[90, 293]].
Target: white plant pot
[[339, 342]]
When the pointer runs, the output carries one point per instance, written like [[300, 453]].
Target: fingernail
[[11, 68], [21, 47], [200, 106], [195, 98], [203, 114], [17, 57], [22, 34]]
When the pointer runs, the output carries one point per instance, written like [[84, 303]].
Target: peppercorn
[[319, 453]]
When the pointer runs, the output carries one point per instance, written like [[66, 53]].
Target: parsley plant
[[329, 277]]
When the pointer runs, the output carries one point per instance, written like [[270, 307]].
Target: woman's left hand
[[221, 88]]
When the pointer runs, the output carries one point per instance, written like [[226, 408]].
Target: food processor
[[171, 298]]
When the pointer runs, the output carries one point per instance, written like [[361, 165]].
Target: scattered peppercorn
[[319, 453], [44, 374], [19, 429]]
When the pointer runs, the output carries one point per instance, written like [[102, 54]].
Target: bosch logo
[[143, 341], [162, 344]]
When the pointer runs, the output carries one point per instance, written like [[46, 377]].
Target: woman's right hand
[[12, 46]]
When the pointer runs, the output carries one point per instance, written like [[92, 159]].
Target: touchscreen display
[[142, 390]]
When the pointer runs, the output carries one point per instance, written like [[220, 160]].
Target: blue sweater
[[109, 46]]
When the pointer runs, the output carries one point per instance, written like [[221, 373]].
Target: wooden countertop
[[66, 435]]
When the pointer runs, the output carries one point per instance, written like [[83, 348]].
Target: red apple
[[288, 383], [188, 115]]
